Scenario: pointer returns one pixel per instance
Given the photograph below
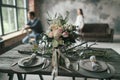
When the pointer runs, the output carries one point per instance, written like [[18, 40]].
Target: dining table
[[9, 64]]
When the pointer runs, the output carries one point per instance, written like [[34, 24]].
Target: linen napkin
[[28, 61], [94, 64]]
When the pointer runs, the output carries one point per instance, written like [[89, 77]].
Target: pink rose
[[65, 34], [50, 34], [60, 29]]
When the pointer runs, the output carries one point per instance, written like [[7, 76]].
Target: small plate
[[86, 64], [37, 61]]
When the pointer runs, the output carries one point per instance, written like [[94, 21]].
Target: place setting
[[30, 64], [95, 68]]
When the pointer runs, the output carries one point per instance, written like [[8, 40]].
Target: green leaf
[[60, 17], [49, 15], [55, 15], [55, 43], [67, 14]]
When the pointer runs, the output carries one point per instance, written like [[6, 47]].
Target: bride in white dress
[[79, 23]]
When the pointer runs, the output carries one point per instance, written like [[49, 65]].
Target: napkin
[[28, 61], [95, 65], [92, 58]]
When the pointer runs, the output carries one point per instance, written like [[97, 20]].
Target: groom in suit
[[35, 25]]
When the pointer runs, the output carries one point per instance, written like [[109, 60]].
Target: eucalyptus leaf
[[55, 43], [67, 14], [49, 15], [55, 15]]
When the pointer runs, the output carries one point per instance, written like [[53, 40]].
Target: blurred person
[[35, 25], [79, 23]]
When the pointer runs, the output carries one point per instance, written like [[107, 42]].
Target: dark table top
[[12, 56]]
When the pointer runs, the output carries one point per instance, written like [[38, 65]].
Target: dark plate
[[87, 65], [17, 68], [37, 61], [99, 75]]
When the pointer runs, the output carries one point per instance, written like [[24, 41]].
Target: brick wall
[[33, 5]]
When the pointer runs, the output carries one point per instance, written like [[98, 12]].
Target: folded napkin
[[28, 61], [92, 58], [95, 65]]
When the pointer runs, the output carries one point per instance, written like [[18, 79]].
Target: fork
[[44, 63]]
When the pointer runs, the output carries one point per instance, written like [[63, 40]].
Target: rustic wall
[[31, 5], [95, 11]]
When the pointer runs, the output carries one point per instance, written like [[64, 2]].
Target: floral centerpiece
[[59, 36], [61, 33]]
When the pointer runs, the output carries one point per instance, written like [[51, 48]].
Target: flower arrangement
[[59, 35], [59, 32]]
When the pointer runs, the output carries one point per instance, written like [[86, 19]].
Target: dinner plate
[[86, 64], [99, 75], [41, 67], [37, 61]]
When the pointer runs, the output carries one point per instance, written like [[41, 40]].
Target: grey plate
[[37, 61], [87, 65], [106, 74], [17, 68]]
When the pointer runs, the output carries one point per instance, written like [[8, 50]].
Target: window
[[9, 19], [13, 15], [0, 27], [21, 13], [9, 2], [21, 17], [21, 3]]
